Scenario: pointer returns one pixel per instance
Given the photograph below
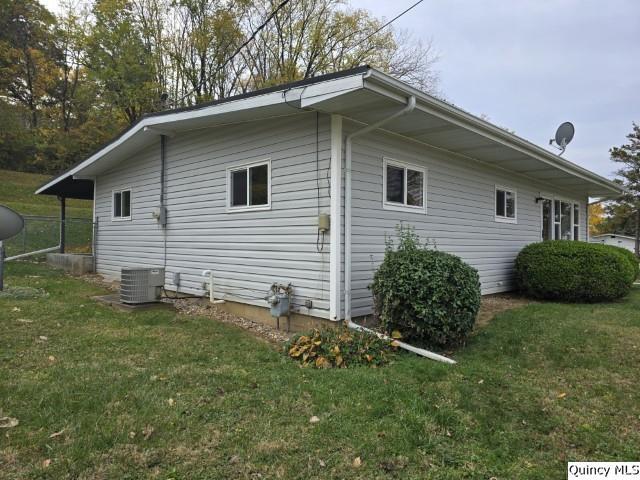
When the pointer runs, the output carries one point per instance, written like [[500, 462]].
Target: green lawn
[[159, 395], [17, 192]]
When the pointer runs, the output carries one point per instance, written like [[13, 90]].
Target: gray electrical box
[[160, 214], [141, 285]]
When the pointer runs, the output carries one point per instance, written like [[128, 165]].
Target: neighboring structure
[[616, 240], [243, 182]]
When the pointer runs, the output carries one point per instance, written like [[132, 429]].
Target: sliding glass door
[[560, 220]]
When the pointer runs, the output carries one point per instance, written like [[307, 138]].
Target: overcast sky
[[533, 64], [530, 65]]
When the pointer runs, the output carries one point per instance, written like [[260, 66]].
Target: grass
[[17, 192], [158, 395]]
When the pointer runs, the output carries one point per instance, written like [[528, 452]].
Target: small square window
[[506, 205], [121, 205], [404, 186], [249, 187]]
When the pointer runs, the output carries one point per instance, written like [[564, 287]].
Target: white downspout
[[411, 104]]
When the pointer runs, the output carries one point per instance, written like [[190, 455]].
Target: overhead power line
[[239, 49], [273, 14], [253, 35], [387, 24]]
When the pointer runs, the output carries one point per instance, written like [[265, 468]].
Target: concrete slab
[[113, 300]]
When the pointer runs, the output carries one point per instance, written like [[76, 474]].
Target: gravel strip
[[202, 308]]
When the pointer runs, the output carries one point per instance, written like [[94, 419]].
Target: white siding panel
[[460, 213], [247, 251], [138, 242]]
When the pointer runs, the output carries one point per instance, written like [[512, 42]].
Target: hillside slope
[[17, 192]]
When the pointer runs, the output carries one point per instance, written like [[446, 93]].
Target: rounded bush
[[430, 297], [575, 271]]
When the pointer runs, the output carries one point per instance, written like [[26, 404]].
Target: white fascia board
[[385, 85], [320, 92], [312, 92]]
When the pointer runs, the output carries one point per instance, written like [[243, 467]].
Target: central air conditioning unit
[[141, 285]]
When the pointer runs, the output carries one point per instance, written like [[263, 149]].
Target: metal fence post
[[63, 214], [1, 265]]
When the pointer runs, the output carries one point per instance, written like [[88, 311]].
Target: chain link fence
[[42, 232]]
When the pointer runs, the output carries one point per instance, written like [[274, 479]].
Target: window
[[505, 205], [249, 187], [566, 220], [121, 204], [404, 187]]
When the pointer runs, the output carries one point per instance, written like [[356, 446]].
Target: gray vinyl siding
[[460, 213], [248, 250], [135, 242]]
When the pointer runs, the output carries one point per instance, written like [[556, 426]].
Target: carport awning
[[69, 187], [364, 95]]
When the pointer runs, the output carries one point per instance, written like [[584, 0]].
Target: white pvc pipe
[[24, 255], [411, 104], [209, 273], [418, 351]]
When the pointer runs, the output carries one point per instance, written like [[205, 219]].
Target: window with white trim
[[404, 186], [506, 205], [249, 186], [121, 204]]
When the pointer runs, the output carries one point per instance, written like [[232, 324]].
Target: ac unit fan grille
[[141, 285]]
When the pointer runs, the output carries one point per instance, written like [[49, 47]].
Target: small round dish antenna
[[564, 135], [11, 223]]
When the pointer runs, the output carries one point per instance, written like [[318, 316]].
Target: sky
[[529, 65]]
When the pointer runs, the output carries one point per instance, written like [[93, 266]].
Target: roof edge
[[200, 106], [491, 130]]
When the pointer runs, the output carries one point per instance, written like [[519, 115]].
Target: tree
[[596, 218], [120, 62], [628, 156], [312, 37], [68, 83], [28, 55]]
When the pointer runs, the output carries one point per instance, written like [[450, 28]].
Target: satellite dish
[[564, 135], [11, 223]]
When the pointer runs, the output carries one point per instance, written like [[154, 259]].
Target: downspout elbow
[[408, 108]]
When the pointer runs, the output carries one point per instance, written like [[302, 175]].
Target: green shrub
[[339, 348], [575, 271], [629, 255], [431, 297]]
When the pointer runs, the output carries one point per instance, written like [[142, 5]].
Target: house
[[248, 181], [616, 240]]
